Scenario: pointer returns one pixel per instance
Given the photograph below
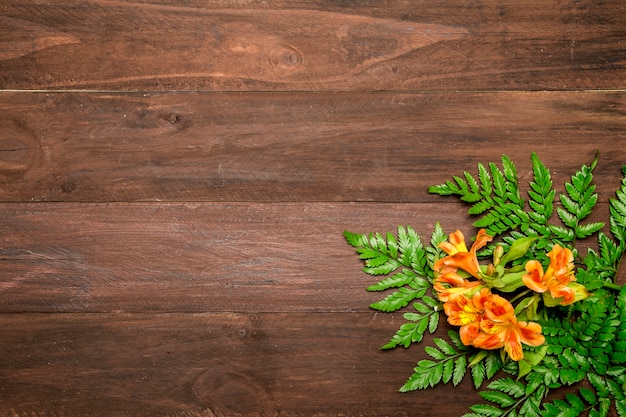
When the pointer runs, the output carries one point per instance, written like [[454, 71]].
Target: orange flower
[[500, 329], [467, 312], [556, 278], [458, 255], [450, 285]]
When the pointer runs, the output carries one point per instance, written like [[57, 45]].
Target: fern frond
[[398, 299], [541, 194], [495, 196], [617, 209], [448, 364], [578, 202]]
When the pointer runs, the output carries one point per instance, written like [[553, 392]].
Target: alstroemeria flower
[[450, 285], [556, 278], [467, 312], [458, 255], [500, 328]]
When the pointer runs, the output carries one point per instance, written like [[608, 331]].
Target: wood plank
[[193, 257], [292, 147], [226, 364], [312, 45], [247, 257]]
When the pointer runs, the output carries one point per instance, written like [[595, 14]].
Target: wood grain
[[175, 178], [185, 257], [207, 258], [209, 364], [319, 45], [292, 147]]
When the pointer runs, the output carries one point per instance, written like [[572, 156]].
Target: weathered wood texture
[[318, 45], [210, 364], [175, 178], [291, 147], [245, 257]]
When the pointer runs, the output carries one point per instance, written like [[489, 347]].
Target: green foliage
[[577, 204], [448, 364], [495, 196], [585, 345], [508, 397], [425, 317], [404, 261], [484, 365]]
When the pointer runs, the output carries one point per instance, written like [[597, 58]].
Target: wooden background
[[176, 176]]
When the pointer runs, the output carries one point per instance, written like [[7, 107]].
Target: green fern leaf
[[408, 333], [493, 363], [578, 202], [600, 385], [377, 254], [398, 299], [448, 371], [455, 338], [541, 194], [586, 230], [474, 189], [445, 347], [356, 240], [531, 407], [411, 252], [567, 217], [434, 353], [420, 379], [399, 279], [487, 410], [478, 374], [588, 395], [480, 207], [501, 399], [509, 386], [494, 195], [486, 184], [620, 406], [617, 209], [460, 368]]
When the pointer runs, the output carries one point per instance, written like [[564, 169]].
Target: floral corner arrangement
[[526, 311]]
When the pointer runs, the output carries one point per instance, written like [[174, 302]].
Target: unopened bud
[[497, 254], [518, 249], [511, 281]]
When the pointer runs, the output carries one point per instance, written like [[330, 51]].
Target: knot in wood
[[286, 58]]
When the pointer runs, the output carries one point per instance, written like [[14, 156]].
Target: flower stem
[[612, 286], [518, 296]]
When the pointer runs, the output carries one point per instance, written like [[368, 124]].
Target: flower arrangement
[[527, 311]]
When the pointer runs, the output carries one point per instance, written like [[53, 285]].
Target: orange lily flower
[[500, 328], [556, 278], [450, 285], [467, 313], [458, 255]]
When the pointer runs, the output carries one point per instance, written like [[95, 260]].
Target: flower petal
[[533, 279], [530, 333]]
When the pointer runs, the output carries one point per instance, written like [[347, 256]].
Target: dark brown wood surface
[[175, 179], [312, 45]]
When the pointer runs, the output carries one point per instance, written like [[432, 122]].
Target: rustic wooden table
[[176, 176]]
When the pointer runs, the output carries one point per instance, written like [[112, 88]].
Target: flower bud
[[497, 254], [518, 249], [580, 293], [511, 281], [526, 309]]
